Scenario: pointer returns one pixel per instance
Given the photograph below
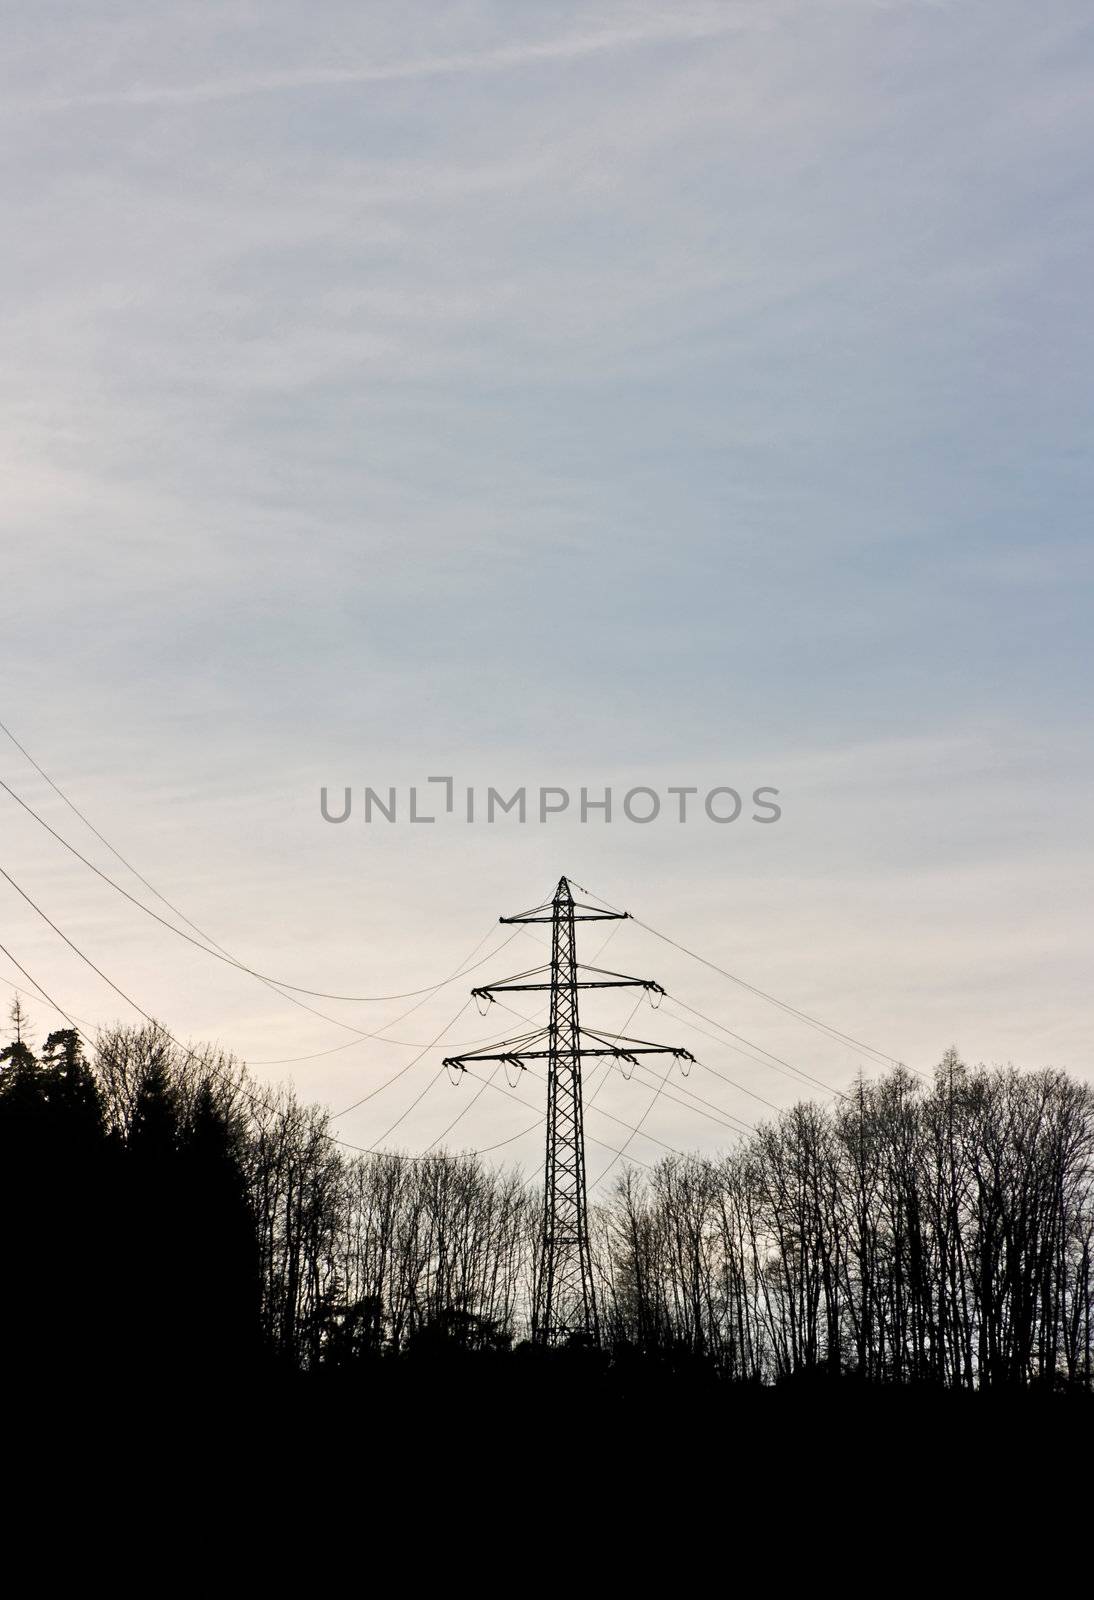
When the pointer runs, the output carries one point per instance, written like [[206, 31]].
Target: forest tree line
[[162, 1212]]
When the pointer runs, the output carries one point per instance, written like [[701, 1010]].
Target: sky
[[556, 395]]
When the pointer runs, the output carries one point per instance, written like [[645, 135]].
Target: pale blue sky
[[634, 393]]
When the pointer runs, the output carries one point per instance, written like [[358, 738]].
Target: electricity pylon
[[565, 1302]]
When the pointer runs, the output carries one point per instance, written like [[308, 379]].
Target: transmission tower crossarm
[[615, 980], [517, 1056], [586, 914], [639, 1050], [576, 911], [623, 1041], [502, 1050], [516, 1050]]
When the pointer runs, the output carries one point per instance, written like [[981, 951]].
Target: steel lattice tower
[[565, 1299]]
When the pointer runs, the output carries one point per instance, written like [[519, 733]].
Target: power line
[[772, 1060], [102, 840], [239, 1087], [221, 955], [358, 1033], [716, 1114], [683, 1089], [153, 890], [403, 1115], [458, 1118], [47, 998], [402, 1071], [488, 1083], [236, 1085], [590, 1104], [380, 1038], [783, 1005], [109, 981], [723, 1076], [210, 947], [637, 1128], [813, 1022], [632, 1128], [520, 1101], [786, 1067], [513, 1137], [191, 1055]]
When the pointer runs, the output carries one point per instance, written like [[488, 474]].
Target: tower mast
[[565, 1298]]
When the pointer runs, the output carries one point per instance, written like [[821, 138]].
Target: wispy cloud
[[678, 28]]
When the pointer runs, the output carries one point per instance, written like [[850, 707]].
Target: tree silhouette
[[162, 1227]]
